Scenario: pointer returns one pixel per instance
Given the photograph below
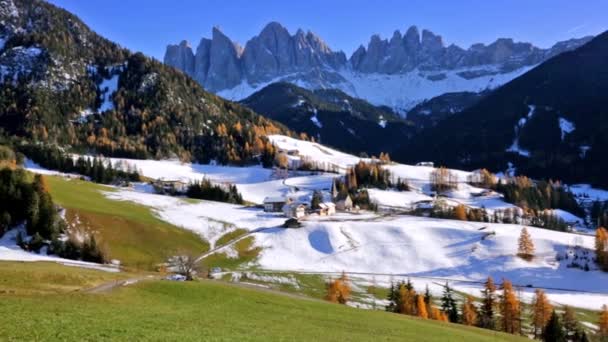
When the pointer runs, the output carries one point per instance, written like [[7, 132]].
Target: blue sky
[[150, 25]]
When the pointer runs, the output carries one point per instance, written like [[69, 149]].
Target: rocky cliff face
[[221, 66]]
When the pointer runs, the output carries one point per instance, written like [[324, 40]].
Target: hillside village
[[284, 191]]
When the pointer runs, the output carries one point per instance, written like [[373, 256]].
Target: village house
[[295, 210], [170, 186], [327, 209], [344, 203], [275, 204]]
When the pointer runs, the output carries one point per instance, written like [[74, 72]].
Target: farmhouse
[[295, 210], [344, 203], [170, 186], [275, 204], [327, 208]]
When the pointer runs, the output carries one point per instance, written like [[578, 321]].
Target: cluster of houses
[[294, 209]]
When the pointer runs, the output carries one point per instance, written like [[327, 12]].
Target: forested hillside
[[332, 117], [550, 122], [62, 83]]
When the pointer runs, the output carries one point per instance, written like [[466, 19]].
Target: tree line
[[97, 169], [206, 190], [497, 308], [27, 203]]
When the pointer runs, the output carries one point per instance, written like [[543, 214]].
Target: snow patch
[[107, 88], [315, 119], [520, 124], [566, 127]]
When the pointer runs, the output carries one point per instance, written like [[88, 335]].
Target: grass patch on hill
[[26, 278], [245, 251], [128, 231], [224, 239], [207, 310]]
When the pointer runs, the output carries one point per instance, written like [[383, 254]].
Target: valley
[[413, 189]]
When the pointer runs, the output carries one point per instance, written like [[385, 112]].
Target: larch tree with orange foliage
[[541, 312], [525, 248], [338, 291], [408, 299], [601, 248], [460, 212], [421, 307], [509, 309], [469, 311], [603, 324]]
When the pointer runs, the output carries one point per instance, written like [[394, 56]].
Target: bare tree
[[184, 264]]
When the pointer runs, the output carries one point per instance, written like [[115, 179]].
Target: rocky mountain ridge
[[222, 66]]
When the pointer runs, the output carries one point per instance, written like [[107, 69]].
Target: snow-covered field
[[427, 250]]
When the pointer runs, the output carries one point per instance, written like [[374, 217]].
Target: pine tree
[[486, 319], [603, 324], [448, 304], [421, 307], [394, 298], [541, 312], [317, 198], [469, 311], [509, 309], [571, 325], [428, 299], [553, 332], [526, 246]]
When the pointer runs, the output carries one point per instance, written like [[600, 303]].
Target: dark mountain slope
[[429, 112], [62, 83], [570, 88], [332, 117]]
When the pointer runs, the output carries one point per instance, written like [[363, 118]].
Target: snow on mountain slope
[[400, 91], [403, 91], [314, 151], [205, 218], [176, 170]]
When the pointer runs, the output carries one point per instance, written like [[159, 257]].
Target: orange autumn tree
[[469, 311], [601, 248], [460, 212], [438, 315], [525, 245], [421, 307], [603, 324], [541, 312], [509, 309], [408, 300], [338, 291]]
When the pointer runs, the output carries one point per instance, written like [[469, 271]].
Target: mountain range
[[398, 72]]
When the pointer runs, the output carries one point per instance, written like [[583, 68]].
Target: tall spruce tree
[[486, 319], [554, 331], [448, 303]]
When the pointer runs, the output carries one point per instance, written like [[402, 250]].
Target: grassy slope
[[26, 278], [130, 232], [208, 310]]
